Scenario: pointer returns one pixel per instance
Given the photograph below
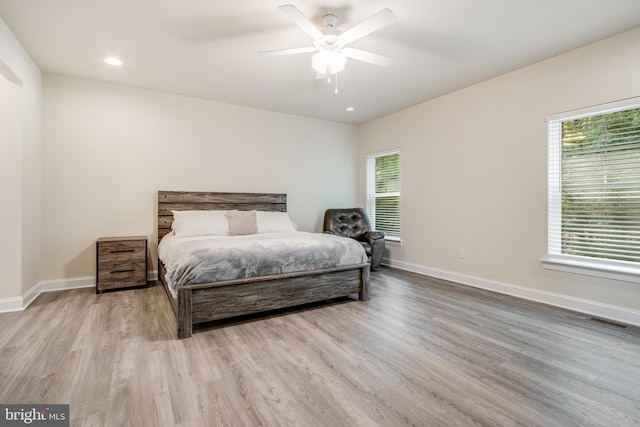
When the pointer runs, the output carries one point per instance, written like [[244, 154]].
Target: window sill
[[393, 241], [593, 268]]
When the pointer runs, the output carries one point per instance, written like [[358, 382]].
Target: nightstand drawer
[[130, 275], [121, 262], [104, 267], [122, 250]]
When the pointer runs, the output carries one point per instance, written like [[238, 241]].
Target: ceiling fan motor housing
[[329, 42]]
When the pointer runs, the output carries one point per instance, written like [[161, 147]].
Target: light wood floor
[[422, 352]]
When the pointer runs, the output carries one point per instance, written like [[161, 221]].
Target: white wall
[[474, 173], [108, 149], [25, 181], [10, 188]]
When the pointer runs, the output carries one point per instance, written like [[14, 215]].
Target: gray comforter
[[213, 258]]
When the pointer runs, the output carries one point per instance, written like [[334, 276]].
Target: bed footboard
[[221, 300]]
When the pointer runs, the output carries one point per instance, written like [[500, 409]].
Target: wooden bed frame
[[206, 302]]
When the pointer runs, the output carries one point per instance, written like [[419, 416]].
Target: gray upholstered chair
[[354, 223]]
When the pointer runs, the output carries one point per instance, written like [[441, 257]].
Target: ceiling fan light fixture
[[329, 61]]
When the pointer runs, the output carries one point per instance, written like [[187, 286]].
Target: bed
[[196, 303]]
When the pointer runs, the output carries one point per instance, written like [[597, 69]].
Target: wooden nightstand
[[121, 262]]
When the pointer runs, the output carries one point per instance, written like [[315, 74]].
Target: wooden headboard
[[189, 200]]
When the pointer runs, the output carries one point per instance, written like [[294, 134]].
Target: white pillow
[[200, 223], [274, 222]]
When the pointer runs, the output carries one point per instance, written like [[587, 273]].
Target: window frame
[[371, 196], [627, 271]]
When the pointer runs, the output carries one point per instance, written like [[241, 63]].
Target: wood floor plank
[[421, 352]]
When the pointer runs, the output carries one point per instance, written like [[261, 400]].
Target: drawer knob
[[122, 250], [122, 271]]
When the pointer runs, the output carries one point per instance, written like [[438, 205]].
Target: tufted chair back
[[351, 223], [354, 223]]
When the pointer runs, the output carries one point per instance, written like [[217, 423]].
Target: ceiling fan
[[331, 44]]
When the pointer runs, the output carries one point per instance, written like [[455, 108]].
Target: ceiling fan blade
[[364, 56], [368, 26], [289, 51], [292, 12]]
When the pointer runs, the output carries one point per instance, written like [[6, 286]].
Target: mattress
[[206, 259]]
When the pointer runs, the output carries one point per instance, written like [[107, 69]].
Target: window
[[383, 193], [594, 190]]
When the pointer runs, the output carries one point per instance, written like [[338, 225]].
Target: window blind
[[383, 192], [594, 184]]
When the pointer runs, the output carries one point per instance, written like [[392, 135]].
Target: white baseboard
[[20, 303], [592, 308], [57, 285], [10, 304]]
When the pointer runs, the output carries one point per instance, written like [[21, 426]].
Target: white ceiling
[[208, 48]]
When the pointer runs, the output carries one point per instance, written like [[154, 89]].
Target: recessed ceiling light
[[349, 109], [113, 61]]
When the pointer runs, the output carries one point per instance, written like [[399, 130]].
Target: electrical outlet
[[460, 252]]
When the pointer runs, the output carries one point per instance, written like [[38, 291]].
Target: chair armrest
[[372, 236]]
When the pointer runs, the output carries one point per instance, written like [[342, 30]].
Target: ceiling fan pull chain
[[336, 91]]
